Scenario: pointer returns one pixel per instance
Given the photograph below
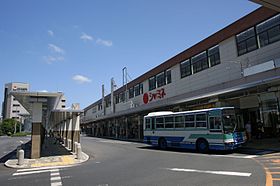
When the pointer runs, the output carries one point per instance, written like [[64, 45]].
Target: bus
[[203, 130]]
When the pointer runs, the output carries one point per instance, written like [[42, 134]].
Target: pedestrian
[[260, 129], [248, 128]]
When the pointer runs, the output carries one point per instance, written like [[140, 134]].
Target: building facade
[[237, 66], [11, 108]]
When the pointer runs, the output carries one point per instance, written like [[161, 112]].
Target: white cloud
[[52, 59], [50, 32], [107, 43], [42, 91], [86, 37], [81, 79], [56, 49]]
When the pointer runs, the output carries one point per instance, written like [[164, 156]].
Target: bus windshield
[[229, 121]]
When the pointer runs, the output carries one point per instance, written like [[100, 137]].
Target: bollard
[[20, 157], [75, 147], [18, 148], [79, 151], [65, 142]]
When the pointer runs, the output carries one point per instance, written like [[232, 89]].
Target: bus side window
[[215, 123], [153, 123], [147, 123]]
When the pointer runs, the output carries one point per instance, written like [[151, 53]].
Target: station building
[[237, 66]]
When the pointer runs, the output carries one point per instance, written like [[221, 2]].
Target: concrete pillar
[[75, 129], [69, 133], [36, 130], [64, 133]]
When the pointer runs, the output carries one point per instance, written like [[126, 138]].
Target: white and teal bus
[[203, 130]]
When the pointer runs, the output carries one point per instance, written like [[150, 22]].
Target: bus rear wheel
[[202, 146], [162, 143]]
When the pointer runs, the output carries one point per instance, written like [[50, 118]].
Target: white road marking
[[56, 184], [228, 173], [54, 173], [55, 178], [30, 172], [43, 168]]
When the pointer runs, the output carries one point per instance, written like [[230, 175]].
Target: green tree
[[8, 126]]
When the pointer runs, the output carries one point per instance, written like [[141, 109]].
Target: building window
[[131, 92], [16, 105], [63, 100], [63, 106], [141, 88], [185, 68], [200, 62], [214, 56], [107, 103], [122, 97], [246, 41], [160, 78], [168, 76], [269, 31], [100, 106], [117, 98], [152, 83], [15, 111]]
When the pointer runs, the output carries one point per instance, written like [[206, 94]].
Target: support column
[[76, 129], [69, 133], [36, 130]]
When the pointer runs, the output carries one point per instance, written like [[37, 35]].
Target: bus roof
[[163, 113]]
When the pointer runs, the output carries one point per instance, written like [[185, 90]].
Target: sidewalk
[[52, 154], [261, 146]]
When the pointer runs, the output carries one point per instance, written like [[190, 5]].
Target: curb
[[12, 163]]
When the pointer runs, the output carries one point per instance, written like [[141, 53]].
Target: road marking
[[43, 168], [30, 172], [54, 173], [55, 178], [56, 184], [228, 173]]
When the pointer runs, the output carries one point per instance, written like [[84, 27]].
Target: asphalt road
[[125, 163]]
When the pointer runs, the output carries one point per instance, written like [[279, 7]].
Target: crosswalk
[[55, 178], [271, 164]]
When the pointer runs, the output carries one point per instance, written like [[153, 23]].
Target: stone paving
[[53, 153]]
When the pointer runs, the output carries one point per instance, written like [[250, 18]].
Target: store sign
[[148, 97]]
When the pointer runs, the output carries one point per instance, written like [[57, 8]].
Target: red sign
[[148, 97]]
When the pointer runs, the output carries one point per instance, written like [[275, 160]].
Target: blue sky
[[76, 46]]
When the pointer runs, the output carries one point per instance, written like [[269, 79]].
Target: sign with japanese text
[[151, 96]]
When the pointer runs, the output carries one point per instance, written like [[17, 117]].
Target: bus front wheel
[[202, 145], [162, 143]]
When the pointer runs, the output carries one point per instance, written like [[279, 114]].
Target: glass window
[[159, 123], [117, 99], [201, 120], [199, 62], [169, 121], [274, 34], [122, 97], [160, 79], [148, 123], [141, 88], [185, 68], [168, 76], [131, 92], [269, 31], [189, 120], [214, 56], [246, 41], [179, 122], [215, 123], [152, 83], [137, 90]]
